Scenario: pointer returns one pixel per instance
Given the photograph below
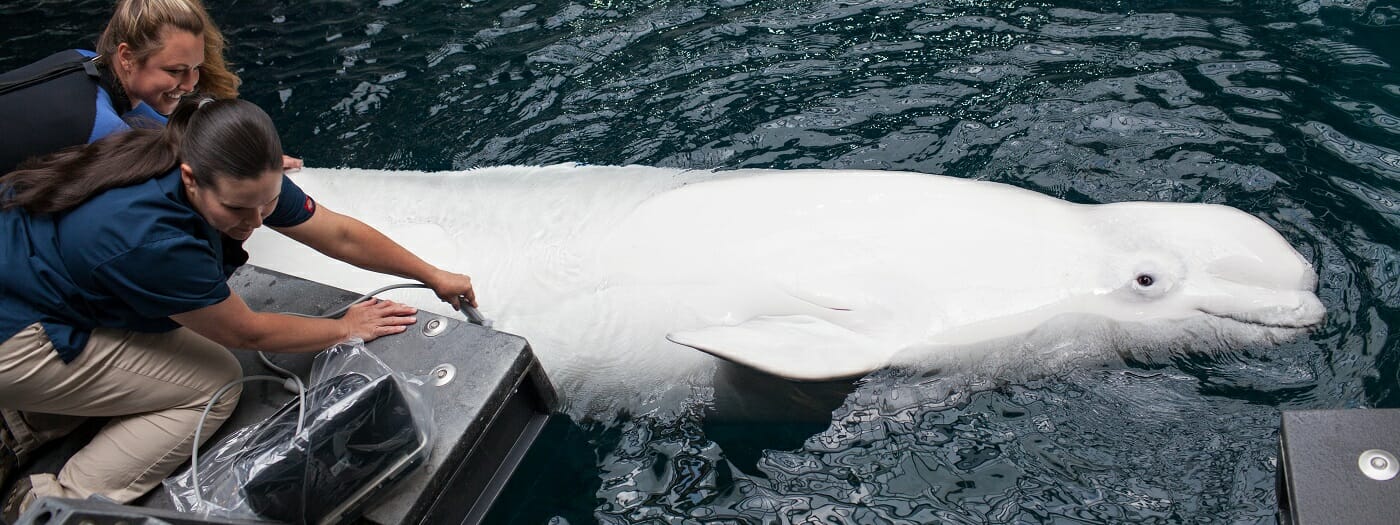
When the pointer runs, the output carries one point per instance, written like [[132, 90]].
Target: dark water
[[1286, 109]]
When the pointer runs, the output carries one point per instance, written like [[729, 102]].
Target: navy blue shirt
[[128, 258]]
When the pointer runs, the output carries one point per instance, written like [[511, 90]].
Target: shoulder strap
[[88, 66], [109, 82]]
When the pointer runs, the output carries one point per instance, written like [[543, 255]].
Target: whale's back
[[808, 274]]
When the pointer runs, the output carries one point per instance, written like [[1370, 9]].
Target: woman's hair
[[138, 23], [217, 138]]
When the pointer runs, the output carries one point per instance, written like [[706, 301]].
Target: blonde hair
[[139, 23]]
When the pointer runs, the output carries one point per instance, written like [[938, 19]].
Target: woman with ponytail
[[114, 300], [152, 53]]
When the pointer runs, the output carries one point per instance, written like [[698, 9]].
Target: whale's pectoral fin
[[795, 347]]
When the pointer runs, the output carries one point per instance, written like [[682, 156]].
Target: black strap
[[89, 66], [108, 81]]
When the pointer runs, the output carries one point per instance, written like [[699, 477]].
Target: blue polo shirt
[[128, 258]]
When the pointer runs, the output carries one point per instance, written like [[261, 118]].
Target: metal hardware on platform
[[1320, 452], [444, 374], [434, 327], [1378, 464]]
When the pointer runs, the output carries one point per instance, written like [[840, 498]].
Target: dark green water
[[1286, 109]]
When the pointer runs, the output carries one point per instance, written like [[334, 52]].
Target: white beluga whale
[[625, 279]]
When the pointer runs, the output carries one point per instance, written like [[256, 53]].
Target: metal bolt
[[1378, 464], [434, 327], [444, 374]]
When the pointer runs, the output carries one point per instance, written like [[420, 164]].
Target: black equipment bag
[[359, 438]]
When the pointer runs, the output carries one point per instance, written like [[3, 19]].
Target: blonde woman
[[152, 53]]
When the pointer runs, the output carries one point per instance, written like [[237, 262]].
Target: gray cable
[[471, 312], [296, 381], [358, 300], [194, 454]]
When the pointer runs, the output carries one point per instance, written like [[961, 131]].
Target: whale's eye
[[1145, 280]]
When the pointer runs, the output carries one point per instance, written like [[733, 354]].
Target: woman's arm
[[232, 324], [355, 242]]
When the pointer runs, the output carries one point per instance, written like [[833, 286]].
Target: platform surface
[[1321, 481]]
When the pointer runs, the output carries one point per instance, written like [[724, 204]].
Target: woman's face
[[165, 76], [235, 207]]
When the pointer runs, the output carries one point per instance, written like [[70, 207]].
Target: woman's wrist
[[345, 328]]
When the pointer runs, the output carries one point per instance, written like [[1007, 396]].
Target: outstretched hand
[[290, 163], [453, 288], [375, 318]]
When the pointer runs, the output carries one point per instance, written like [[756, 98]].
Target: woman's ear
[[187, 176], [125, 57]]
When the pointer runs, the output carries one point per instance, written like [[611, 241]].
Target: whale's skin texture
[[626, 280]]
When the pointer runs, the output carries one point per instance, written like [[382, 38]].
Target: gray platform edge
[[1319, 482], [486, 418]]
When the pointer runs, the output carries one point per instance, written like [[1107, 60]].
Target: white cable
[[468, 310], [194, 453], [359, 300], [295, 382]]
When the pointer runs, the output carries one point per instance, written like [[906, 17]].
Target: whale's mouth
[[1306, 322]]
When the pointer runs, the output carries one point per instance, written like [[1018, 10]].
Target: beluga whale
[[630, 281]]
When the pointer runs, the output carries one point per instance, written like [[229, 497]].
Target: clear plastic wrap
[[366, 426]]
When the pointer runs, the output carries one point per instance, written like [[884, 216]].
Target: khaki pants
[[152, 386]]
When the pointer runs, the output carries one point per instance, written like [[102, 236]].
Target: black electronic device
[[360, 436]]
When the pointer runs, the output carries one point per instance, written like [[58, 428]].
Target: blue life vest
[[42, 109]]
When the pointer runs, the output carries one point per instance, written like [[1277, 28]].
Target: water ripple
[[1149, 26], [1375, 159], [1345, 53]]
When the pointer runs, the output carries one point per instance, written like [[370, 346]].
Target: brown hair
[[217, 138], [138, 23]]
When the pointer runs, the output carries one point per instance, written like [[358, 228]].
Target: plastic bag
[[366, 427]]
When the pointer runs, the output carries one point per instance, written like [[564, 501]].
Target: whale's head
[[1212, 271], [1150, 281]]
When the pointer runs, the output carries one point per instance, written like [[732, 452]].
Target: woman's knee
[[224, 368], [217, 372], [227, 401], [224, 372]]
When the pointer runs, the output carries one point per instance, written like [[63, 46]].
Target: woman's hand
[[376, 318], [291, 163], [452, 288]]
